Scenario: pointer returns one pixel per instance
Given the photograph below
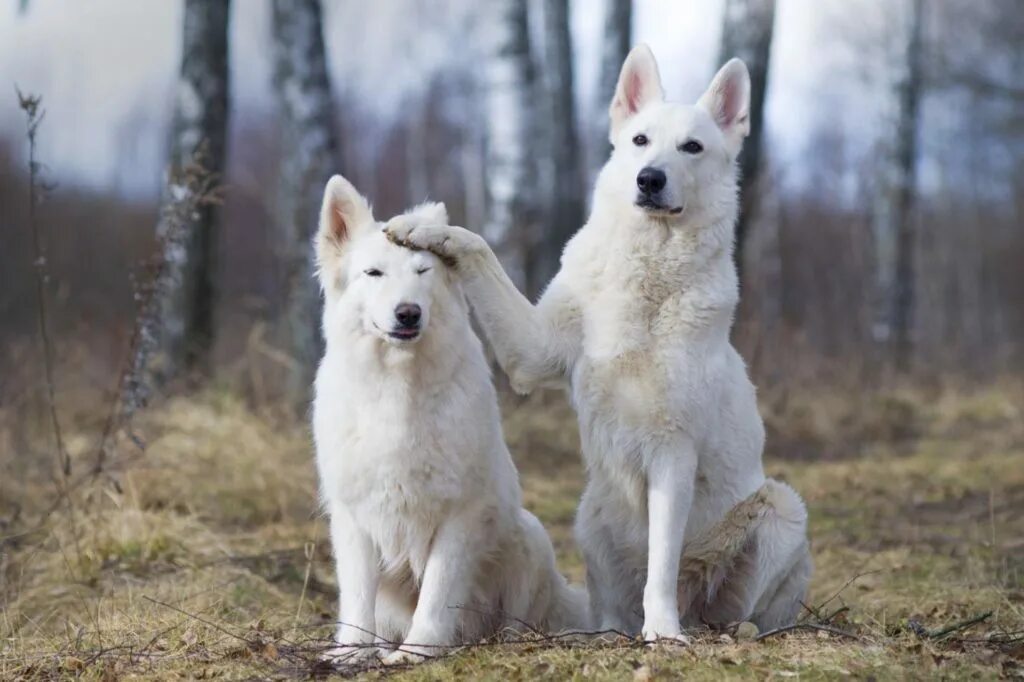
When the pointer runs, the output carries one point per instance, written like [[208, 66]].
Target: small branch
[[858, 576]]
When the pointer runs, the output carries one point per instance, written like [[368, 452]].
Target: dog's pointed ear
[[343, 215], [727, 99], [639, 85]]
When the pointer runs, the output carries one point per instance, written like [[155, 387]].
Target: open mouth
[[403, 334], [652, 206], [399, 333]]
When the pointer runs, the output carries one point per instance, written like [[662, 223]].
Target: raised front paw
[[447, 242]]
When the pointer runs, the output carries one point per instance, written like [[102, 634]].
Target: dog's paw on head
[[425, 218], [427, 213]]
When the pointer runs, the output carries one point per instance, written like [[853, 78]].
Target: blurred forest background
[[883, 184], [161, 168]]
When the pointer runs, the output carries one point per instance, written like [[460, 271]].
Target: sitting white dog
[[430, 539], [636, 324]]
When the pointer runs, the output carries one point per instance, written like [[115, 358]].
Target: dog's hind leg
[[396, 601], [752, 565], [613, 585]]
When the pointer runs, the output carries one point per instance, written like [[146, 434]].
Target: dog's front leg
[[445, 589], [358, 570], [669, 496]]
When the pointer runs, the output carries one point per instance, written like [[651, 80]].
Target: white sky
[[106, 68]]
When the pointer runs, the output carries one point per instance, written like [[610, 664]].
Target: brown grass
[[213, 560]]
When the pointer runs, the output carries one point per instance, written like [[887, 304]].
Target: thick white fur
[[430, 539], [638, 321]]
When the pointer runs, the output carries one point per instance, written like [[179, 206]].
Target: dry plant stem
[[310, 551], [30, 104]]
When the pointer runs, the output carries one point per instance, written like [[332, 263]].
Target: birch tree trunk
[[512, 216], [303, 92], [616, 39], [563, 177], [747, 33], [199, 133], [893, 225]]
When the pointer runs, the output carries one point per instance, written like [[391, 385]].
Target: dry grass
[[212, 563]]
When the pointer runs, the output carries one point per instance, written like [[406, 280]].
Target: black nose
[[651, 180], [408, 315]]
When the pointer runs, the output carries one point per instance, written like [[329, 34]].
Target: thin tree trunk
[[199, 134], [747, 33], [303, 90], [616, 39], [563, 177], [893, 224], [512, 223]]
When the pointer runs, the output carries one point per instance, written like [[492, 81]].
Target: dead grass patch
[[213, 561]]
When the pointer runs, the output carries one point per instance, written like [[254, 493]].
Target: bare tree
[[616, 39], [199, 133], [563, 175], [303, 93], [513, 211], [747, 33], [892, 221]]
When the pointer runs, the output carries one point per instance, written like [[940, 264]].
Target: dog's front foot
[[653, 637], [350, 654], [408, 655], [664, 629]]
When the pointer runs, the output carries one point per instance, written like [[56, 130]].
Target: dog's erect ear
[[728, 101], [639, 85], [429, 213], [343, 215]]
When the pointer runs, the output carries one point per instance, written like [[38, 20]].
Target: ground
[[204, 555]]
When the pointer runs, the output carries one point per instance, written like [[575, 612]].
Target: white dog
[[430, 539], [638, 321]]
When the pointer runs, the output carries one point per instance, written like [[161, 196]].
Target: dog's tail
[[570, 607], [710, 555], [564, 607]]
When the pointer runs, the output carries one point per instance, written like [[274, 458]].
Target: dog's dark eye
[[420, 271], [373, 272], [640, 140], [691, 147]]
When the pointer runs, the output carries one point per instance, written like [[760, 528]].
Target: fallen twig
[[215, 626], [961, 625], [808, 626]]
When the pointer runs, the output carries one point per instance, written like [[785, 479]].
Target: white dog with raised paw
[[636, 326]]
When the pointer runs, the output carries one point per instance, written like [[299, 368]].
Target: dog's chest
[[390, 454], [645, 360]]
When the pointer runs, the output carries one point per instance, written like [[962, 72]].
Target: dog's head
[[667, 156], [371, 285]]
